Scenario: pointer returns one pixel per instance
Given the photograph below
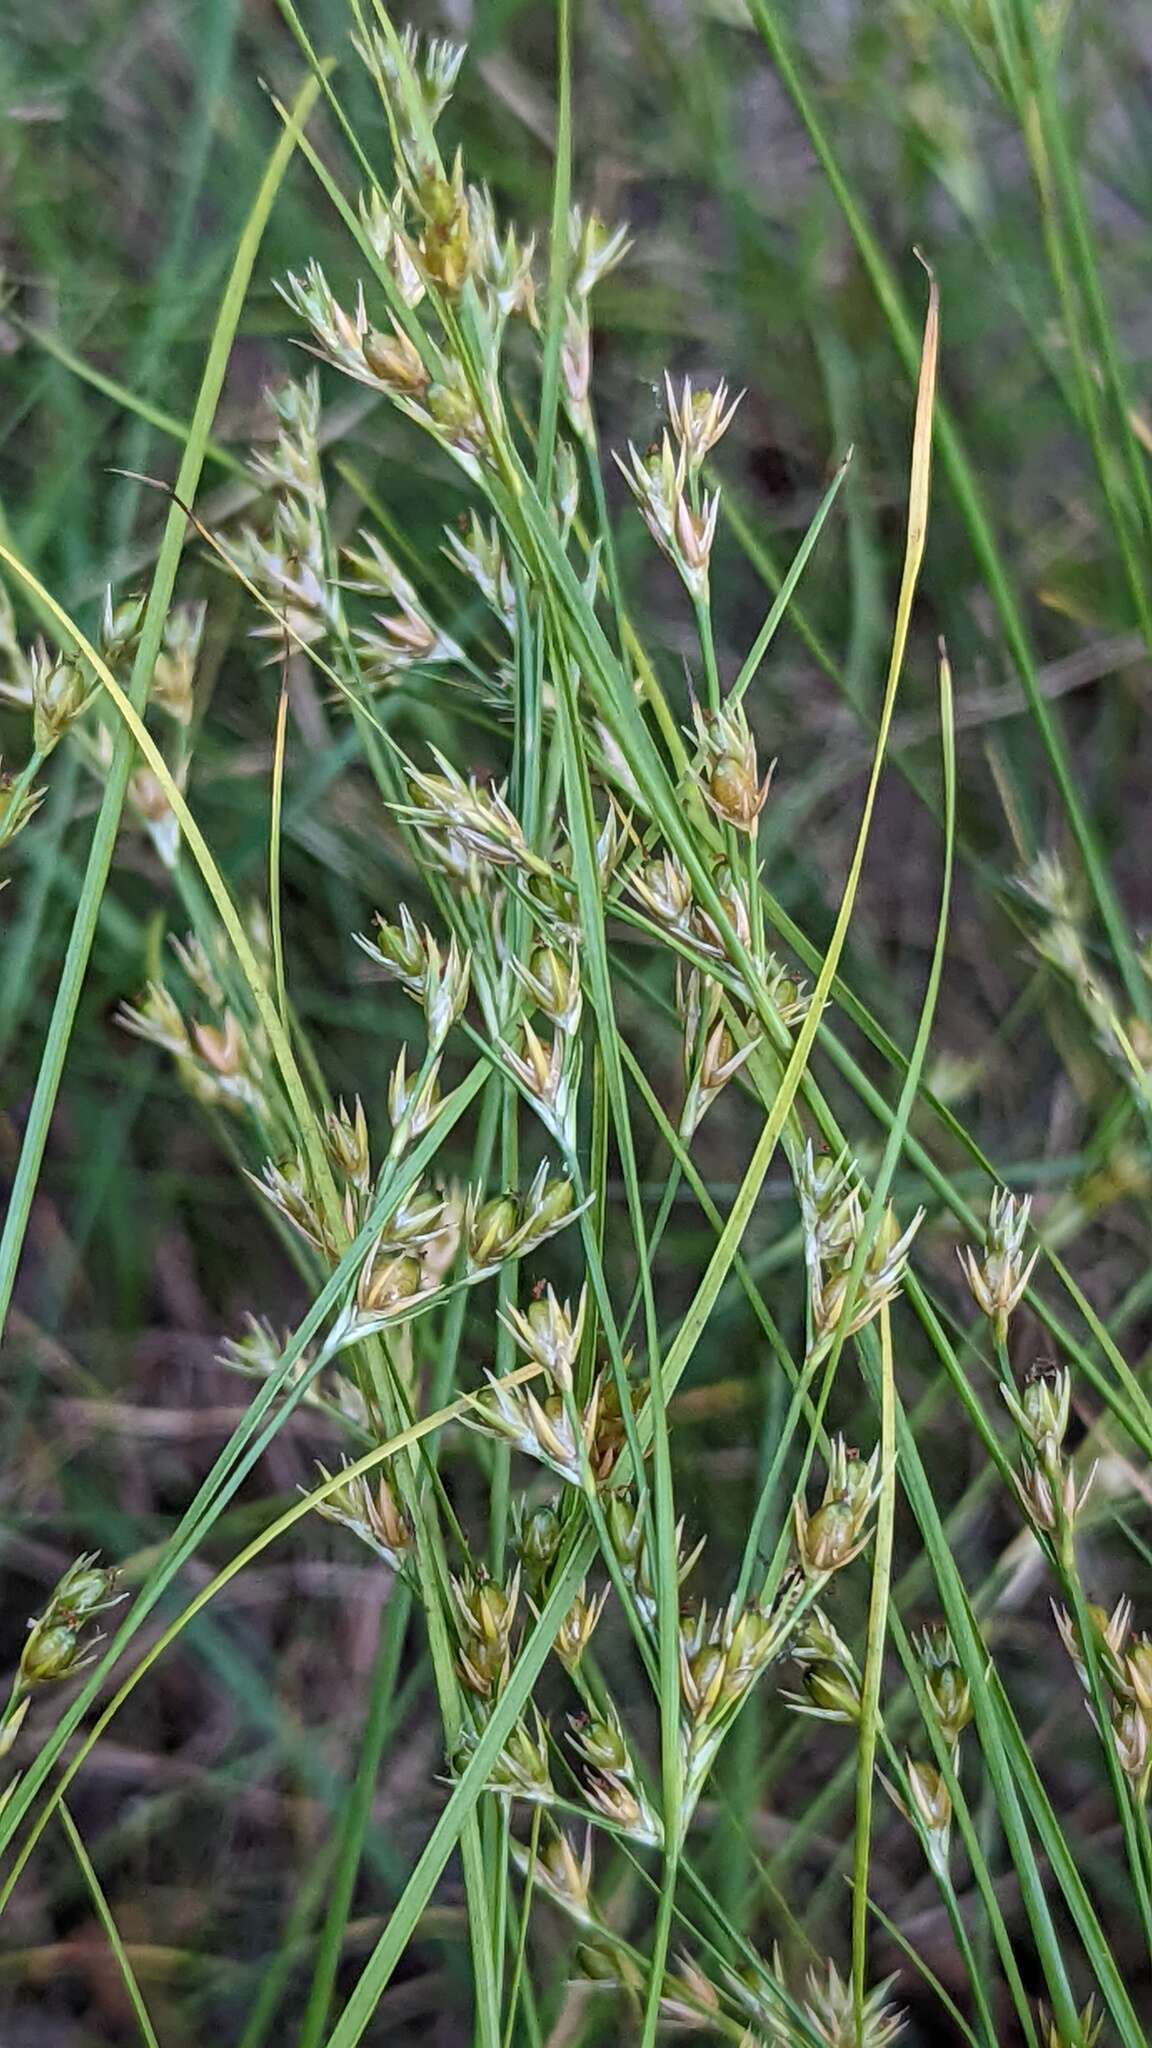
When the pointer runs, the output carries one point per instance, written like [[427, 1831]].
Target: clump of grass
[[490, 1337]]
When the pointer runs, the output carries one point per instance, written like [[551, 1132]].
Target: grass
[[528, 1527]]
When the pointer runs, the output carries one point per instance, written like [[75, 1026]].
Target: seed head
[[452, 415], [829, 1207], [430, 65], [689, 1998], [445, 806], [1053, 1501], [831, 1250], [291, 466], [478, 553], [1130, 1736], [61, 692], [346, 1143], [626, 1808], [595, 250], [560, 1874], [405, 639], [429, 1224], [830, 1678], [385, 362], [87, 1588], [1137, 1674], [387, 1280], [949, 1693], [552, 982], [402, 951], [1090, 2025], [56, 1645], [929, 1801], [438, 981], [287, 569], [544, 1430], [157, 1020], [577, 1628], [1110, 1633], [52, 1651], [728, 773], [699, 419], [382, 225], [830, 1694], [830, 2010], [548, 1205], [502, 265], [600, 1741], [581, 1447], [658, 481], [719, 1059], [548, 1074], [412, 1104], [120, 626], [446, 249], [393, 364], [486, 1615], [999, 1279], [1047, 884], [707, 933], [492, 1230], [722, 1653], [260, 1352], [521, 1770], [286, 1186], [628, 1527], [1042, 1410], [576, 369], [368, 1507], [662, 888], [613, 1787], [838, 1531], [538, 1540], [175, 672], [18, 806], [220, 1063], [390, 1282], [1047, 1487], [548, 1332]]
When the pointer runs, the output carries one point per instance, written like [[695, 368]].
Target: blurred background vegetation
[[132, 138]]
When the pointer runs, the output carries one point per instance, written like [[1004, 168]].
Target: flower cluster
[[998, 1279], [1124, 1663], [220, 1050], [614, 1788], [832, 1217], [1050, 1492], [58, 1642]]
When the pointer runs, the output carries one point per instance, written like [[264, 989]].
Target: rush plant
[[601, 1015]]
